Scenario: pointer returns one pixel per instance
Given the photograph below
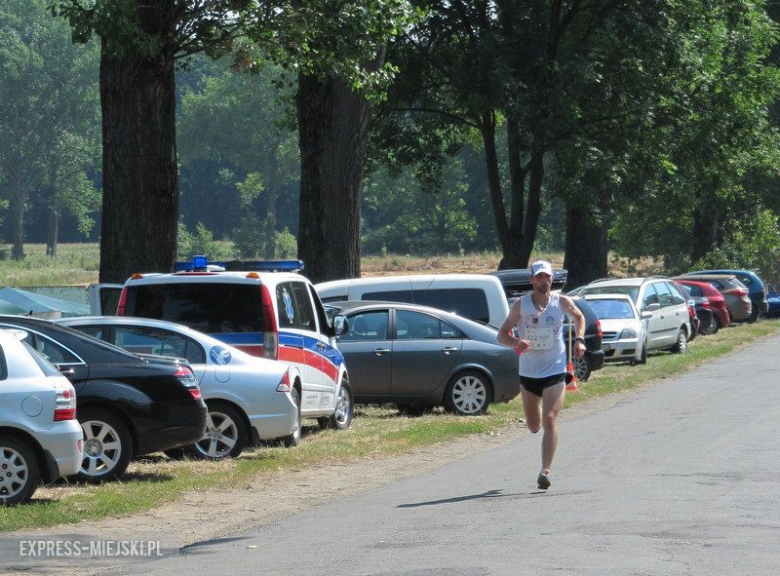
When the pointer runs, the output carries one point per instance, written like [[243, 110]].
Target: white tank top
[[547, 354]]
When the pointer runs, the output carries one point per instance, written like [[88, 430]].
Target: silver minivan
[[660, 302]]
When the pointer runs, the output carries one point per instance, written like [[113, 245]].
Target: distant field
[[78, 265], [74, 265]]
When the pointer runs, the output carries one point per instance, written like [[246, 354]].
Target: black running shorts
[[536, 385]]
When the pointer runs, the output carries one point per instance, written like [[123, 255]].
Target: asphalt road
[[680, 478]]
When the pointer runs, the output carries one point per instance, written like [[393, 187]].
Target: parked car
[[733, 291], [594, 354], [773, 300], [249, 398], [705, 319], [478, 297], [265, 309], [668, 326], [717, 301], [751, 281], [40, 439], [127, 405], [517, 281], [623, 328], [417, 356]]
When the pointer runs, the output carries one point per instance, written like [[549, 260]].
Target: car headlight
[[628, 333]]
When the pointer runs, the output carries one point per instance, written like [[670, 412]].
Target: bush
[[201, 242]]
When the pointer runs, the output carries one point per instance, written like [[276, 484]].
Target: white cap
[[541, 266]]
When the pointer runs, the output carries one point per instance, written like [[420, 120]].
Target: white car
[[40, 438], [249, 398], [624, 333]]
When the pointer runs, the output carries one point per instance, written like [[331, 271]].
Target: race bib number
[[539, 338]]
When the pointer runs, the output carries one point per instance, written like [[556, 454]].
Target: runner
[[537, 319]]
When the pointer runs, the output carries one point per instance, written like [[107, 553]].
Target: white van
[[478, 297]]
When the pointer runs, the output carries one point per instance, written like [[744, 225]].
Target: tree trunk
[[53, 227], [53, 212], [19, 203], [140, 180], [705, 226], [586, 247], [273, 193], [488, 132], [333, 122], [534, 207]]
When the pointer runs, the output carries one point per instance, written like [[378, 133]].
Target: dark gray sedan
[[416, 357]]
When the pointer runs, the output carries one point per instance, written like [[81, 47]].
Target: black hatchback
[[127, 405]]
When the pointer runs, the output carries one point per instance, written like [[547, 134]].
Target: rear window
[[214, 308], [466, 302], [631, 291]]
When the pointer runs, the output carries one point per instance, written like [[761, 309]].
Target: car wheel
[[467, 393], [713, 327], [753, 315], [681, 347], [413, 409], [175, 453], [342, 415], [225, 437], [295, 437], [108, 446], [642, 355], [582, 368], [20, 472]]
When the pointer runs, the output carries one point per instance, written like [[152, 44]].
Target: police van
[[264, 308]]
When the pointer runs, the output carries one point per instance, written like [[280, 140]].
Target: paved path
[[680, 478]]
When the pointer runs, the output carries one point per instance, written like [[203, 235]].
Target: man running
[[538, 320]]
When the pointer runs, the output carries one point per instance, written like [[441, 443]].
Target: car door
[[291, 346], [367, 351], [670, 320], [424, 352], [678, 315], [656, 325]]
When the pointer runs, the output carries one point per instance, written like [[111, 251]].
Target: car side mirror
[[652, 307], [340, 325], [645, 315]]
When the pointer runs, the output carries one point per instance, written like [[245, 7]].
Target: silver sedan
[[416, 357], [248, 398]]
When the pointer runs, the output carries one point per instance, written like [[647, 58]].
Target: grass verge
[[376, 430]]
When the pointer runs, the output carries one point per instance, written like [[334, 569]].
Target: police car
[[265, 309]]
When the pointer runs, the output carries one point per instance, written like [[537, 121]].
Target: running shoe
[[543, 481]]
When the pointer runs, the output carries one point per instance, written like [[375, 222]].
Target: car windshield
[[611, 309], [630, 291]]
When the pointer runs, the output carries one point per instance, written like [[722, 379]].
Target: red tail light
[[120, 308], [270, 335], [65, 406], [284, 384], [186, 377], [706, 304], [598, 329], [691, 311]]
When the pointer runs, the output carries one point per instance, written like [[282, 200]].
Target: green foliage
[[334, 39], [201, 242], [49, 111], [754, 245], [249, 240]]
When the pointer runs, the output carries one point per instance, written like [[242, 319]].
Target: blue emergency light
[[201, 264]]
